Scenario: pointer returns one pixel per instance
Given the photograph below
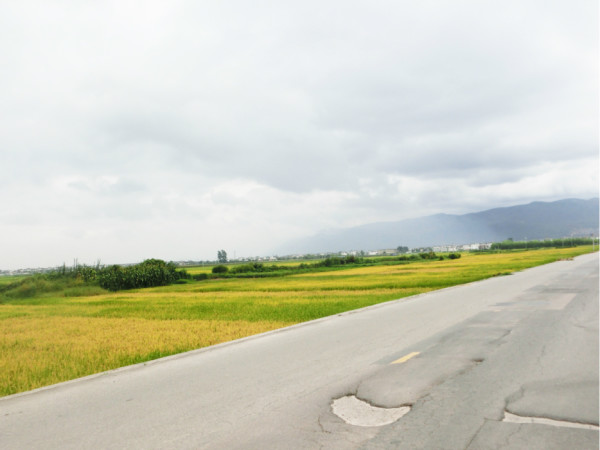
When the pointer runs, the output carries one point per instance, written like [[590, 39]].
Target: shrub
[[221, 268], [428, 255], [152, 272], [332, 261], [112, 278], [86, 273], [250, 267], [454, 255]]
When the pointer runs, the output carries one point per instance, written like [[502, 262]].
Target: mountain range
[[533, 221]]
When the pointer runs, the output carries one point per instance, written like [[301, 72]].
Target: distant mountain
[[537, 220]]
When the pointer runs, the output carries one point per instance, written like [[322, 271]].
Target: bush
[[454, 255], [86, 273], [150, 273], [221, 268], [112, 278], [250, 267], [332, 261], [428, 255]]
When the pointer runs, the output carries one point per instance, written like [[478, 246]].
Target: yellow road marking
[[405, 358]]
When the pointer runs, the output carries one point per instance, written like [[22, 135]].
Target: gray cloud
[[251, 123]]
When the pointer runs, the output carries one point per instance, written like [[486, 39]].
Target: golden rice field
[[55, 338]]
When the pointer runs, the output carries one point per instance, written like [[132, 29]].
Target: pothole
[[357, 412], [513, 418]]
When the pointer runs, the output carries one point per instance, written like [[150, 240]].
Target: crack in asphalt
[[323, 430], [540, 357], [510, 435], [475, 434]]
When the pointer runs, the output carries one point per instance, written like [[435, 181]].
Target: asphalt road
[[470, 367]]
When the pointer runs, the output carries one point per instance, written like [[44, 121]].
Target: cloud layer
[[153, 129]]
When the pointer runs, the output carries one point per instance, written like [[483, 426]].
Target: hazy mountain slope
[[537, 220]]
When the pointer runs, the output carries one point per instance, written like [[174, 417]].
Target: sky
[[152, 129]]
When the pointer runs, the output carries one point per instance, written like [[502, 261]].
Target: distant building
[[462, 248]]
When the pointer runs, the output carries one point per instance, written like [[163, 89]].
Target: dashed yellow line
[[405, 358]]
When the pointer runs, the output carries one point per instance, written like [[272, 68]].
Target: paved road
[[464, 365]]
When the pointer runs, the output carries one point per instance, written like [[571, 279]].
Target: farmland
[[63, 335]]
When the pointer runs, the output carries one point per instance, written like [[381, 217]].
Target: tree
[[402, 249], [222, 256]]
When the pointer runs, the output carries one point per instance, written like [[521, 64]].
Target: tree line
[[509, 244], [258, 267]]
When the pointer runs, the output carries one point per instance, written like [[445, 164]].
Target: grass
[[8, 279], [40, 286], [61, 335]]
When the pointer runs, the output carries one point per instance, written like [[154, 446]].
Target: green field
[[64, 335]]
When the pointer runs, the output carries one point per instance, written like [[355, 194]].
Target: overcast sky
[[138, 129]]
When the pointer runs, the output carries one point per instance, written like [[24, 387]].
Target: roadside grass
[[57, 336]]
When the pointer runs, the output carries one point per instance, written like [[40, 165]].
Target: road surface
[[509, 362]]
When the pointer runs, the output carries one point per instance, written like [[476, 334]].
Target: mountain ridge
[[531, 221]]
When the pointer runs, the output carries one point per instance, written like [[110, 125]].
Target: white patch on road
[[356, 412], [513, 418]]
